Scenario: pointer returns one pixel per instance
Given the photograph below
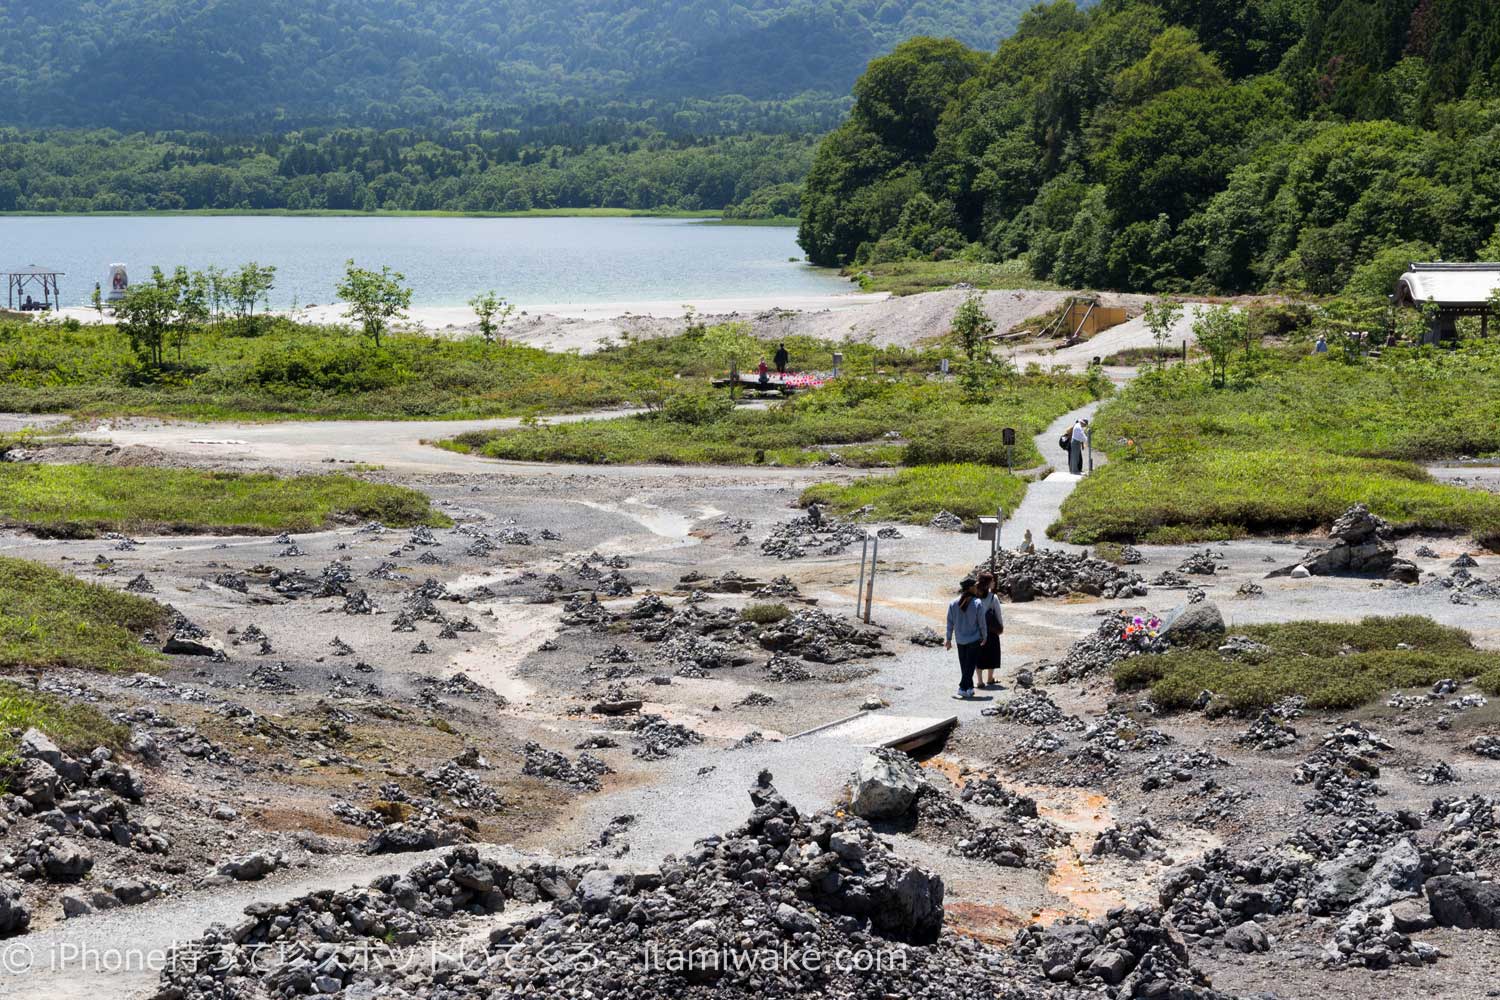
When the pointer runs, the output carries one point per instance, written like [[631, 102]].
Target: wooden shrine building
[[1453, 290]]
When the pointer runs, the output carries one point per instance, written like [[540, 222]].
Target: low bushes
[[50, 620], [1332, 665], [914, 495], [72, 725], [84, 500], [283, 369], [1291, 443], [765, 614], [1227, 494], [869, 421]]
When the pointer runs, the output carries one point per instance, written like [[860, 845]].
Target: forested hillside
[[216, 64], [1202, 145]]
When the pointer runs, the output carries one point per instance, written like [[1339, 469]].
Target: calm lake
[[530, 261]]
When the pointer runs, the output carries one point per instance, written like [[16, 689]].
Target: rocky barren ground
[[547, 747]]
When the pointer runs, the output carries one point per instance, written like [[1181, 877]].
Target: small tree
[[146, 315], [218, 291], [97, 301], [493, 313], [1161, 317], [1219, 331], [374, 298], [971, 326], [251, 284]]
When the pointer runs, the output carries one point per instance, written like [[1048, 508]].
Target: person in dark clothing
[[994, 622], [782, 358], [966, 624]]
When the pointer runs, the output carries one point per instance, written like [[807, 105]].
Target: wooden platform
[[752, 383], [880, 729]]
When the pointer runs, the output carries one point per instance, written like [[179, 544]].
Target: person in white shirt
[[1078, 442]]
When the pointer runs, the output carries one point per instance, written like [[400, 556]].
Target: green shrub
[[1333, 665], [764, 614], [915, 495], [74, 726], [84, 500], [932, 423], [52, 620], [1290, 445]]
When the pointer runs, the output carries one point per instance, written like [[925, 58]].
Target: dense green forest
[[1171, 145], [403, 169], [254, 64]]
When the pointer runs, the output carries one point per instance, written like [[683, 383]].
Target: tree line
[[396, 169], [1176, 146]]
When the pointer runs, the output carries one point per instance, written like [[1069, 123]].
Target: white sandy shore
[[458, 317]]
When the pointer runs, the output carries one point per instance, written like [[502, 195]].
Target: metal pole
[[859, 588], [1091, 453], [870, 587]]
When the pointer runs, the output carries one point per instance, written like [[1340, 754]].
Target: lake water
[[530, 261]]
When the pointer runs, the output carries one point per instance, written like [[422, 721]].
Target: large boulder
[[886, 786], [1460, 901], [14, 915], [1363, 545], [1369, 880], [598, 889], [65, 861], [253, 867], [1194, 625], [35, 745], [37, 783], [185, 643]]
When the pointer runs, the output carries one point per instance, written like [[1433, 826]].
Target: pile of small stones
[[584, 773], [820, 637], [657, 738], [1137, 840], [811, 534], [1025, 576], [1034, 708], [1100, 651], [322, 943]]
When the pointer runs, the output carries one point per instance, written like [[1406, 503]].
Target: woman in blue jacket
[[966, 624]]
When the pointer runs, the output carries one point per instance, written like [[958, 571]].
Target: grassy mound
[[74, 726], [932, 422], [52, 620], [1289, 446], [914, 495], [83, 500], [1332, 665], [1229, 494]]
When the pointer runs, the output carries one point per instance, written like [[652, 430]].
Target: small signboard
[[989, 528], [1008, 437]]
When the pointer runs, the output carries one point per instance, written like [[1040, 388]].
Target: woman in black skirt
[[989, 653]]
